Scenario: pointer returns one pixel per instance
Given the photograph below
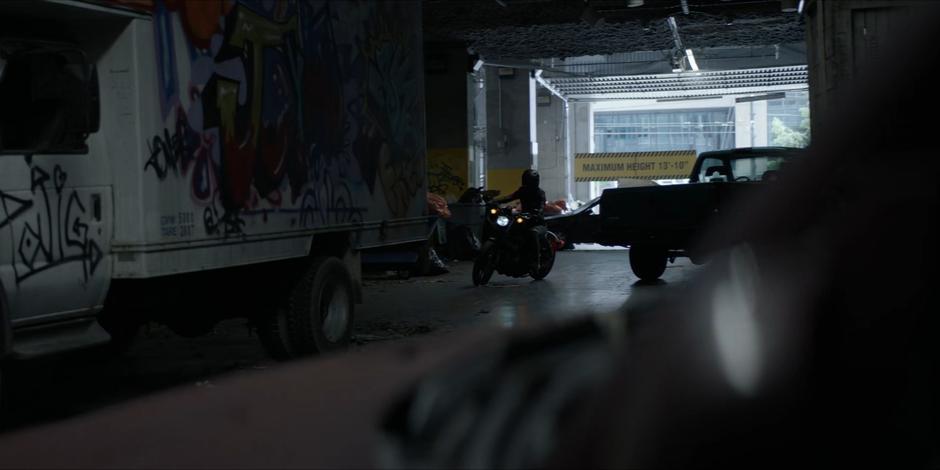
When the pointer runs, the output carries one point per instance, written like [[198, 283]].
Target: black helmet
[[530, 178]]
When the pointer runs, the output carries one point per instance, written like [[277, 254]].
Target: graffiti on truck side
[[289, 109], [49, 227]]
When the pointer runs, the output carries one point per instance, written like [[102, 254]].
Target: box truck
[[190, 161]]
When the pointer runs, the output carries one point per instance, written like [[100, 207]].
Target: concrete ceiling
[[540, 29]]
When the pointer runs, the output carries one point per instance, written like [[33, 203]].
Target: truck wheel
[[320, 308], [647, 262]]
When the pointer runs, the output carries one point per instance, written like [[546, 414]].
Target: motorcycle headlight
[[502, 221]]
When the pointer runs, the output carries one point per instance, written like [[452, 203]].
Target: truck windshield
[[46, 99]]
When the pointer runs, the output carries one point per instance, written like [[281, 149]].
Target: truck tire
[[647, 262], [320, 308]]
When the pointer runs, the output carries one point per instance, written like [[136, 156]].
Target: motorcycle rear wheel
[[547, 255], [483, 264]]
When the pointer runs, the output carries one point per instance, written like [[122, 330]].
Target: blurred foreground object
[[813, 339]]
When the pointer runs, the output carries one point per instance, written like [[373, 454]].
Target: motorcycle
[[506, 248]]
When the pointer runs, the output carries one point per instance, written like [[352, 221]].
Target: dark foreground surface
[[583, 282]]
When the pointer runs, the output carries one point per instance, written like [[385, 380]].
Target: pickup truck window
[[48, 100], [754, 168], [713, 169]]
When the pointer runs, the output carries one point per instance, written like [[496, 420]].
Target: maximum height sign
[[666, 165]]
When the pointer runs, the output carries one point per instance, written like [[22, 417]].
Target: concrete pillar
[[580, 140], [844, 39], [446, 69], [510, 119], [743, 125], [760, 123], [552, 145]]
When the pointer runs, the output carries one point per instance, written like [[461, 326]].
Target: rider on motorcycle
[[533, 201]]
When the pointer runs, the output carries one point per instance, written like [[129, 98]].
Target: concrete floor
[[583, 282]]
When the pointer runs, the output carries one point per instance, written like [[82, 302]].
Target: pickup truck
[[661, 223]]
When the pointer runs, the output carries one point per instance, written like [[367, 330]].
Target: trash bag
[[437, 265], [438, 206]]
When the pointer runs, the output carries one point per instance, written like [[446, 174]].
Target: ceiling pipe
[[548, 86]]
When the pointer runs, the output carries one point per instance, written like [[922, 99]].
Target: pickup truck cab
[[661, 223]]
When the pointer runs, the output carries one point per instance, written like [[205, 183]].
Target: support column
[[580, 140], [445, 82], [509, 121], [551, 113]]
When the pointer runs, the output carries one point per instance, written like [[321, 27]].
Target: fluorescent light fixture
[[477, 65], [689, 98], [634, 3], [769, 96], [688, 54], [799, 8]]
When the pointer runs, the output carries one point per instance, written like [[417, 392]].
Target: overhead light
[[688, 54], [634, 3], [689, 98], [769, 96], [477, 65], [799, 8]]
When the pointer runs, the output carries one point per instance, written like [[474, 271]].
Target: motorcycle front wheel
[[483, 264]]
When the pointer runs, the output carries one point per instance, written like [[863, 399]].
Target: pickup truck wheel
[[320, 308], [647, 262]]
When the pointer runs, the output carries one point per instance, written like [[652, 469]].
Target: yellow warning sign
[[667, 165]]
